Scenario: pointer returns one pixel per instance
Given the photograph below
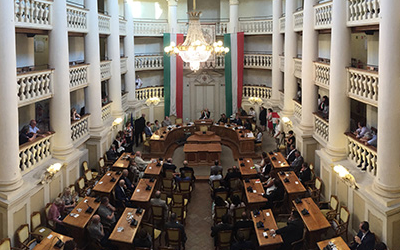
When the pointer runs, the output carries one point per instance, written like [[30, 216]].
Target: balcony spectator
[[373, 141], [323, 107], [24, 135], [74, 115], [362, 130], [138, 82], [34, 130]]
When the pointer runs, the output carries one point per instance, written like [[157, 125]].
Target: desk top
[[128, 233], [338, 241], [280, 162], [315, 220], [203, 122], [141, 194], [48, 242], [78, 216], [122, 161], [254, 197], [294, 185], [268, 220], [248, 169], [209, 147], [199, 137], [105, 185], [153, 169]]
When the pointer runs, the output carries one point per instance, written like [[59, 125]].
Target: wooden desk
[[141, 195], [122, 162], [203, 122], [200, 137], [294, 188], [124, 239], [105, 186], [48, 242], [202, 154], [248, 170], [254, 199], [338, 241], [315, 221], [164, 138], [152, 169], [280, 164], [268, 220]]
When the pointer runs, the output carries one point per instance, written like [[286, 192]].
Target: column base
[[63, 153], [336, 154], [10, 186], [287, 112], [387, 192]]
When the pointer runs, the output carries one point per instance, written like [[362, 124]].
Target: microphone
[[59, 243], [89, 210]]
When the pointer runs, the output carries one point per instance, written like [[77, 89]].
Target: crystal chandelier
[[195, 49]]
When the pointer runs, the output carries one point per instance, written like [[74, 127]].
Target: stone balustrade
[[297, 110], [106, 112], [363, 12], [151, 62], [78, 76], [281, 99], [34, 153], [124, 100], [80, 128], [124, 67], [298, 21], [143, 94], [104, 24], [362, 155], [322, 74], [257, 61], [363, 85], [323, 16], [34, 14], [34, 86], [282, 63], [77, 19], [297, 67], [321, 128], [150, 27], [122, 27], [105, 70], [259, 91], [221, 28], [254, 27], [282, 23]]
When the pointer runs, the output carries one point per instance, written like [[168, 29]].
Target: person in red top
[[55, 218]]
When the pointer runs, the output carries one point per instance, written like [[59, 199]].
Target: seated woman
[[259, 135], [74, 115], [274, 191], [69, 200], [218, 202], [236, 202]]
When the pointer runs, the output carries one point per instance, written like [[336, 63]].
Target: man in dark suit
[[244, 222], [139, 128], [273, 193], [175, 224], [292, 232], [187, 169], [224, 225], [129, 185], [291, 155], [305, 173], [233, 173], [297, 162], [147, 129], [364, 240], [242, 243], [121, 196], [112, 154]]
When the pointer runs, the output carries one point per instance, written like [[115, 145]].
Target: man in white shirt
[[138, 82], [34, 130], [140, 163], [362, 130]]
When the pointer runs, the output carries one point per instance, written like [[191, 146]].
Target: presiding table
[[203, 137], [278, 161], [202, 154], [123, 161], [294, 188], [105, 184], [267, 218], [49, 242], [247, 170], [255, 198], [338, 241]]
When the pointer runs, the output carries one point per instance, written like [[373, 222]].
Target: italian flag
[[234, 71], [173, 78]]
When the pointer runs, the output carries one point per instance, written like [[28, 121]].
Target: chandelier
[[195, 49]]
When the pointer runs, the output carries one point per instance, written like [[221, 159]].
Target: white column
[[172, 16], [310, 54], [60, 120], [388, 173], [92, 56], [113, 49], [10, 177], [277, 46], [129, 52], [290, 86], [339, 103], [233, 16]]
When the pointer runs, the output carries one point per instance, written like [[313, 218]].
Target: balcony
[[360, 154], [221, 26], [298, 21], [150, 27], [282, 23], [218, 63], [104, 24], [321, 129], [124, 67], [77, 19], [122, 27], [363, 12], [124, 100], [297, 67], [259, 91], [80, 130], [297, 110], [150, 62], [34, 153], [322, 74], [105, 70], [145, 93], [252, 26], [106, 112], [33, 14], [323, 16], [257, 61], [78, 76], [34, 86], [363, 85], [282, 63]]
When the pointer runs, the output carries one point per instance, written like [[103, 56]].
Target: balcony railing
[[105, 70], [282, 23], [257, 61], [149, 62], [254, 27], [260, 91], [298, 21], [321, 128], [297, 110], [124, 67], [221, 28], [104, 24], [150, 27], [77, 19], [218, 63], [363, 85], [124, 100], [362, 155], [282, 63], [322, 74], [34, 14], [34, 86], [363, 12], [149, 92], [80, 128], [106, 112], [297, 67], [32, 154], [323, 16], [78, 76], [122, 27]]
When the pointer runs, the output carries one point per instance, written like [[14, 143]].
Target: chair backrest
[[88, 175], [184, 186], [237, 212], [177, 198], [222, 194], [167, 184], [85, 166], [22, 234], [169, 173], [173, 236], [224, 238], [5, 244], [144, 136], [101, 162], [157, 212], [46, 210], [164, 196], [235, 183], [246, 232], [318, 183], [179, 210], [334, 202], [219, 212], [149, 228], [216, 183], [178, 121], [81, 183], [344, 214], [203, 128], [189, 173], [238, 192], [36, 220]]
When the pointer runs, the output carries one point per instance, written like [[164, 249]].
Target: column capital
[[172, 2], [233, 2]]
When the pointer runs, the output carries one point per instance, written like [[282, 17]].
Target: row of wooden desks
[[294, 188], [254, 198], [123, 161], [49, 242], [107, 183], [267, 218], [141, 195], [247, 169]]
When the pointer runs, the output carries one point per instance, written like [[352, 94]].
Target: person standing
[[263, 118], [139, 128]]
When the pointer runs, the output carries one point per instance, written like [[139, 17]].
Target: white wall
[[41, 50], [257, 77], [253, 8], [148, 45], [77, 99], [372, 116], [76, 48], [324, 46], [373, 49], [224, 8], [359, 47], [299, 44], [154, 9], [24, 50], [258, 43], [151, 78], [209, 8]]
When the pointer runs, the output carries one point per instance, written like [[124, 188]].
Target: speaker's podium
[[202, 148], [203, 124]]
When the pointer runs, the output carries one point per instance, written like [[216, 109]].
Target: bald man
[[121, 196], [96, 232], [157, 201], [128, 182]]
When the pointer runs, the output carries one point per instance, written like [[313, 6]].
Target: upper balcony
[[106, 112], [363, 12], [33, 14], [123, 65], [122, 27], [77, 19], [282, 24], [105, 70], [322, 74], [150, 27], [259, 91], [217, 63], [104, 24], [297, 110], [149, 62], [34, 153], [143, 94], [323, 16], [255, 25], [363, 85], [297, 67], [298, 21], [80, 130], [361, 154], [78, 76], [257, 61], [321, 129]]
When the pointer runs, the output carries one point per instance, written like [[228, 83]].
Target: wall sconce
[[255, 100], [288, 123], [116, 122], [345, 175], [153, 101], [50, 172]]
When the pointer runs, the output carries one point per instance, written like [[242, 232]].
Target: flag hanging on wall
[[234, 71], [173, 78]]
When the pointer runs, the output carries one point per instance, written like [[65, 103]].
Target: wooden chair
[[169, 174], [246, 232], [89, 178], [174, 238], [235, 183], [341, 225], [237, 213], [185, 188], [166, 198], [311, 182], [104, 165], [154, 232], [146, 142], [224, 239], [180, 212], [74, 193], [158, 215], [332, 207], [86, 167], [50, 224], [239, 193], [215, 184], [5, 244], [81, 187], [167, 185], [219, 211], [40, 232], [24, 238], [298, 245], [315, 191], [258, 144], [178, 199], [222, 194], [278, 205], [178, 121]]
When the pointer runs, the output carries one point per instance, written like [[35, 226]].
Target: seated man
[[168, 165], [224, 225], [291, 155], [55, 217], [216, 167], [244, 222], [233, 173], [112, 154], [157, 201], [34, 130], [242, 243], [187, 169], [166, 122], [273, 192], [292, 232], [147, 129], [361, 131], [96, 232], [214, 176], [364, 240], [223, 119], [121, 196], [173, 223], [305, 173], [106, 212], [297, 162], [142, 239], [140, 163], [181, 177], [128, 182], [237, 120]]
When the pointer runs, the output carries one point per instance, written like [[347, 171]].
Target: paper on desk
[[109, 174], [267, 214], [296, 182], [137, 190], [250, 134], [42, 230], [50, 236], [100, 182], [120, 229], [254, 191]]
